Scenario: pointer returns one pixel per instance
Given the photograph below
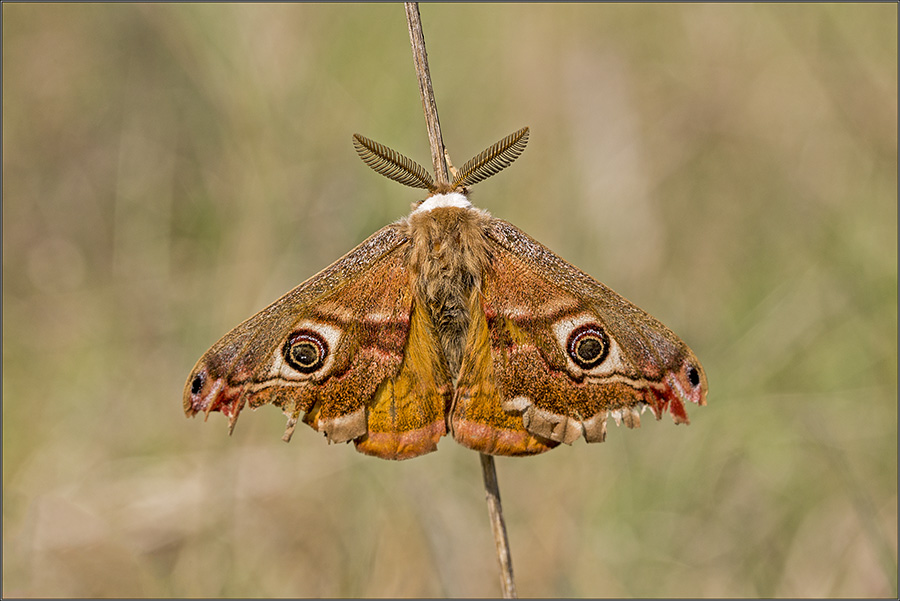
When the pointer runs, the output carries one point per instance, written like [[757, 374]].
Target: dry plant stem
[[492, 490], [420, 57], [442, 178]]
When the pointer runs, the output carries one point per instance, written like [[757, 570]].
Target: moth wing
[[357, 377], [528, 383]]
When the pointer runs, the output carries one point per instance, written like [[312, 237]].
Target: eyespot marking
[[305, 351], [588, 345], [693, 376], [197, 384]]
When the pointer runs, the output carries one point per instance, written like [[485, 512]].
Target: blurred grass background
[[170, 169]]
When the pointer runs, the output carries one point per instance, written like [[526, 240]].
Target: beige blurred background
[[170, 169]]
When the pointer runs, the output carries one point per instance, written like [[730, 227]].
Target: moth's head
[[399, 168]]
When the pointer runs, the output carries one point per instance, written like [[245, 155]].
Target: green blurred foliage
[[168, 169]]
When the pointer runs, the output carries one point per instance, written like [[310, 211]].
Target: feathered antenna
[[399, 168], [392, 164], [493, 160]]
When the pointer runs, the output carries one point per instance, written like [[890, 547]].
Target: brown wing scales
[[519, 381], [359, 313]]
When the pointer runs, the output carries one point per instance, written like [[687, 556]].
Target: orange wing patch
[[407, 416], [478, 420]]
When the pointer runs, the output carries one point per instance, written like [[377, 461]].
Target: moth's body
[[450, 321], [449, 252]]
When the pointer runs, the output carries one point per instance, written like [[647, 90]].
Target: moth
[[450, 321]]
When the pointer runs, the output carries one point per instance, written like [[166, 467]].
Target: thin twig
[[492, 490], [420, 57], [440, 160]]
